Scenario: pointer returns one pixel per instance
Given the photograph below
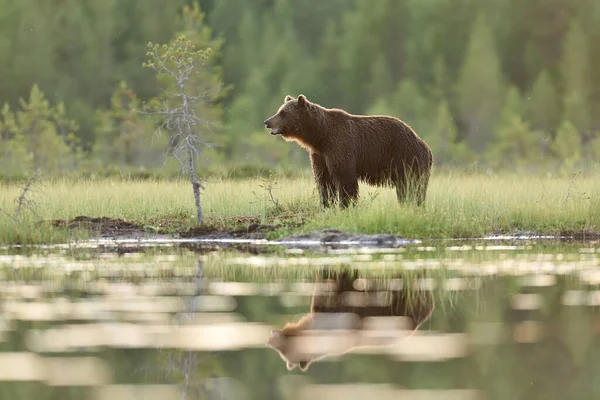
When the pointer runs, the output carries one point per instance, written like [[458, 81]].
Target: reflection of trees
[[563, 364], [188, 367]]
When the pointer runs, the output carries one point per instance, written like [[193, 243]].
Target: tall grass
[[457, 205]]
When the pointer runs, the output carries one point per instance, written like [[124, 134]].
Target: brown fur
[[346, 148], [417, 305]]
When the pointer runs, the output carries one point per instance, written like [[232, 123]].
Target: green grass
[[458, 205]]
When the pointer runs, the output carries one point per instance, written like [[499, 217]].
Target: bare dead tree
[[177, 64], [571, 192], [23, 201], [183, 364]]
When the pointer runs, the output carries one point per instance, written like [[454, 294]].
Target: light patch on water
[[528, 332], [21, 367], [205, 318], [234, 288], [54, 371], [137, 392], [430, 346], [361, 391], [222, 336], [526, 301], [502, 248], [76, 371], [590, 277], [541, 280], [465, 247], [574, 298]]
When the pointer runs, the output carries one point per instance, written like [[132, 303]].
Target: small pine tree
[[515, 144], [443, 138], [567, 144], [480, 86], [121, 133], [184, 97], [575, 68], [542, 106], [381, 78], [39, 136], [411, 105]]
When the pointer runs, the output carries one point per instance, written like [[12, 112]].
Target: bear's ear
[[288, 98], [304, 365], [302, 100]]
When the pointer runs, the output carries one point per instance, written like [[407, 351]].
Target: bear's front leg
[[342, 170], [327, 188]]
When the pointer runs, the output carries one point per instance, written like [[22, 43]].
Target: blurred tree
[[443, 139], [516, 144], [39, 136], [16, 160], [382, 83], [410, 104], [121, 136], [567, 144], [542, 104], [514, 141], [330, 90], [480, 86], [370, 29], [575, 69]]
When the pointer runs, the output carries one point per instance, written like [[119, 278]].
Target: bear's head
[[292, 119], [283, 343]]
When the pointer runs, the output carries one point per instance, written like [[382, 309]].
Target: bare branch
[[22, 201]]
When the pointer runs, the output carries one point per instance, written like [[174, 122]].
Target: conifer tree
[[480, 87], [575, 69], [567, 144], [542, 106]]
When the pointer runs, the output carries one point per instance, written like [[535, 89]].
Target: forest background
[[495, 85]]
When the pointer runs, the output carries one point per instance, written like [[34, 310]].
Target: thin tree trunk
[[196, 186], [190, 358]]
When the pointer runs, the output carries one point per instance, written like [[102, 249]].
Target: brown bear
[[349, 305], [345, 148]]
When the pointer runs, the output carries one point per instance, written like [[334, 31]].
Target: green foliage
[[567, 144], [480, 86], [443, 139], [516, 144], [38, 136], [485, 204], [576, 77], [542, 105], [122, 134], [421, 61]]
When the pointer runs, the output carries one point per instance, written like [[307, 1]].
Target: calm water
[[495, 320]]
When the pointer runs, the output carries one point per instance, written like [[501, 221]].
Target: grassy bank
[[458, 205]]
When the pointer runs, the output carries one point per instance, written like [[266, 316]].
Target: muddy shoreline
[[253, 236]]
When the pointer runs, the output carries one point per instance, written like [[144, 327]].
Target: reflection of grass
[[457, 206]]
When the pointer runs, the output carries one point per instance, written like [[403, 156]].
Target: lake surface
[[504, 319]]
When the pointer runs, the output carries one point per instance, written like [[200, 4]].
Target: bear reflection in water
[[349, 312]]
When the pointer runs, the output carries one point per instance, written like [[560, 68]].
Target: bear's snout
[[267, 123]]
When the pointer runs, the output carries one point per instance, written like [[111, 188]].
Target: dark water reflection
[[465, 322]]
